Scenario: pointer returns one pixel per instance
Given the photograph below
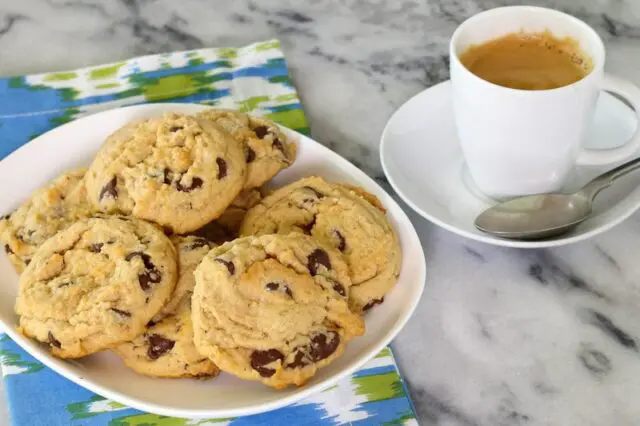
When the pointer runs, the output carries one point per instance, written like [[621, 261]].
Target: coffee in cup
[[528, 61]]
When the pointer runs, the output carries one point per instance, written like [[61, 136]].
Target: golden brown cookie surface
[[96, 284], [273, 308], [176, 170], [343, 218], [267, 149]]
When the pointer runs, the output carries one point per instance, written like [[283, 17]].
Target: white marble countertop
[[501, 336]]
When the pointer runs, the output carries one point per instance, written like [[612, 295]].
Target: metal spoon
[[547, 215]]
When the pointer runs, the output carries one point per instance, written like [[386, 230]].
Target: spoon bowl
[[534, 217]]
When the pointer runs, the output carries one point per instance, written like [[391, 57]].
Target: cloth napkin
[[253, 79]]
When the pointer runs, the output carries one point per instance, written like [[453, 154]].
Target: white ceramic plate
[[422, 159], [73, 145]]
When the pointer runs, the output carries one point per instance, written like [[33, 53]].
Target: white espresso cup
[[518, 142]]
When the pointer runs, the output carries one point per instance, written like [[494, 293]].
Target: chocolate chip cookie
[[267, 149], [178, 171], [166, 348], [353, 223], [96, 284], [49, 210], [190, 250], [273, 308]]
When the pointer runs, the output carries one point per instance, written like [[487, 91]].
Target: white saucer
[[422, 159]]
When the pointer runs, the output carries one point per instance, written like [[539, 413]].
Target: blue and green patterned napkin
[[254, 79]]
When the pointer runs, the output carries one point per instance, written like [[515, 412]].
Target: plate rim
[[483, 238], [60, 365]]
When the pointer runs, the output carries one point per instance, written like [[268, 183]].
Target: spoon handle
[[606, 179]]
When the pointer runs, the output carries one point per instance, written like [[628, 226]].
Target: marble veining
[[501, 336]]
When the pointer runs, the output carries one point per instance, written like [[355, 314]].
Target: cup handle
[[631, 93]]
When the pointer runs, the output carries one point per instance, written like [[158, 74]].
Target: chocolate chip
[[174, 129], [95, 248], [309, 226], [148, 264], [196, 183], [110, 189], [299, 361], [197, 243], [250, 155], [158, 346], [278, 145], [222, 168], [53, 341], [151, 323], [167, 176], [230, 266], [261, 131], [315, 191], [261, 358], [8, 249], [316, 258], [279, 287], [151, 275], [168, 231], [272, 286], [342, 244], [323, 345], [5, 217], [146, 259], [121, 312], [27, 261], [372, 303]]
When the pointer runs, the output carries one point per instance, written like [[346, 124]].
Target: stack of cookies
[[167, 251]]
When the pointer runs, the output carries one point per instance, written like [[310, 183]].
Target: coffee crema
[[528, 61]]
